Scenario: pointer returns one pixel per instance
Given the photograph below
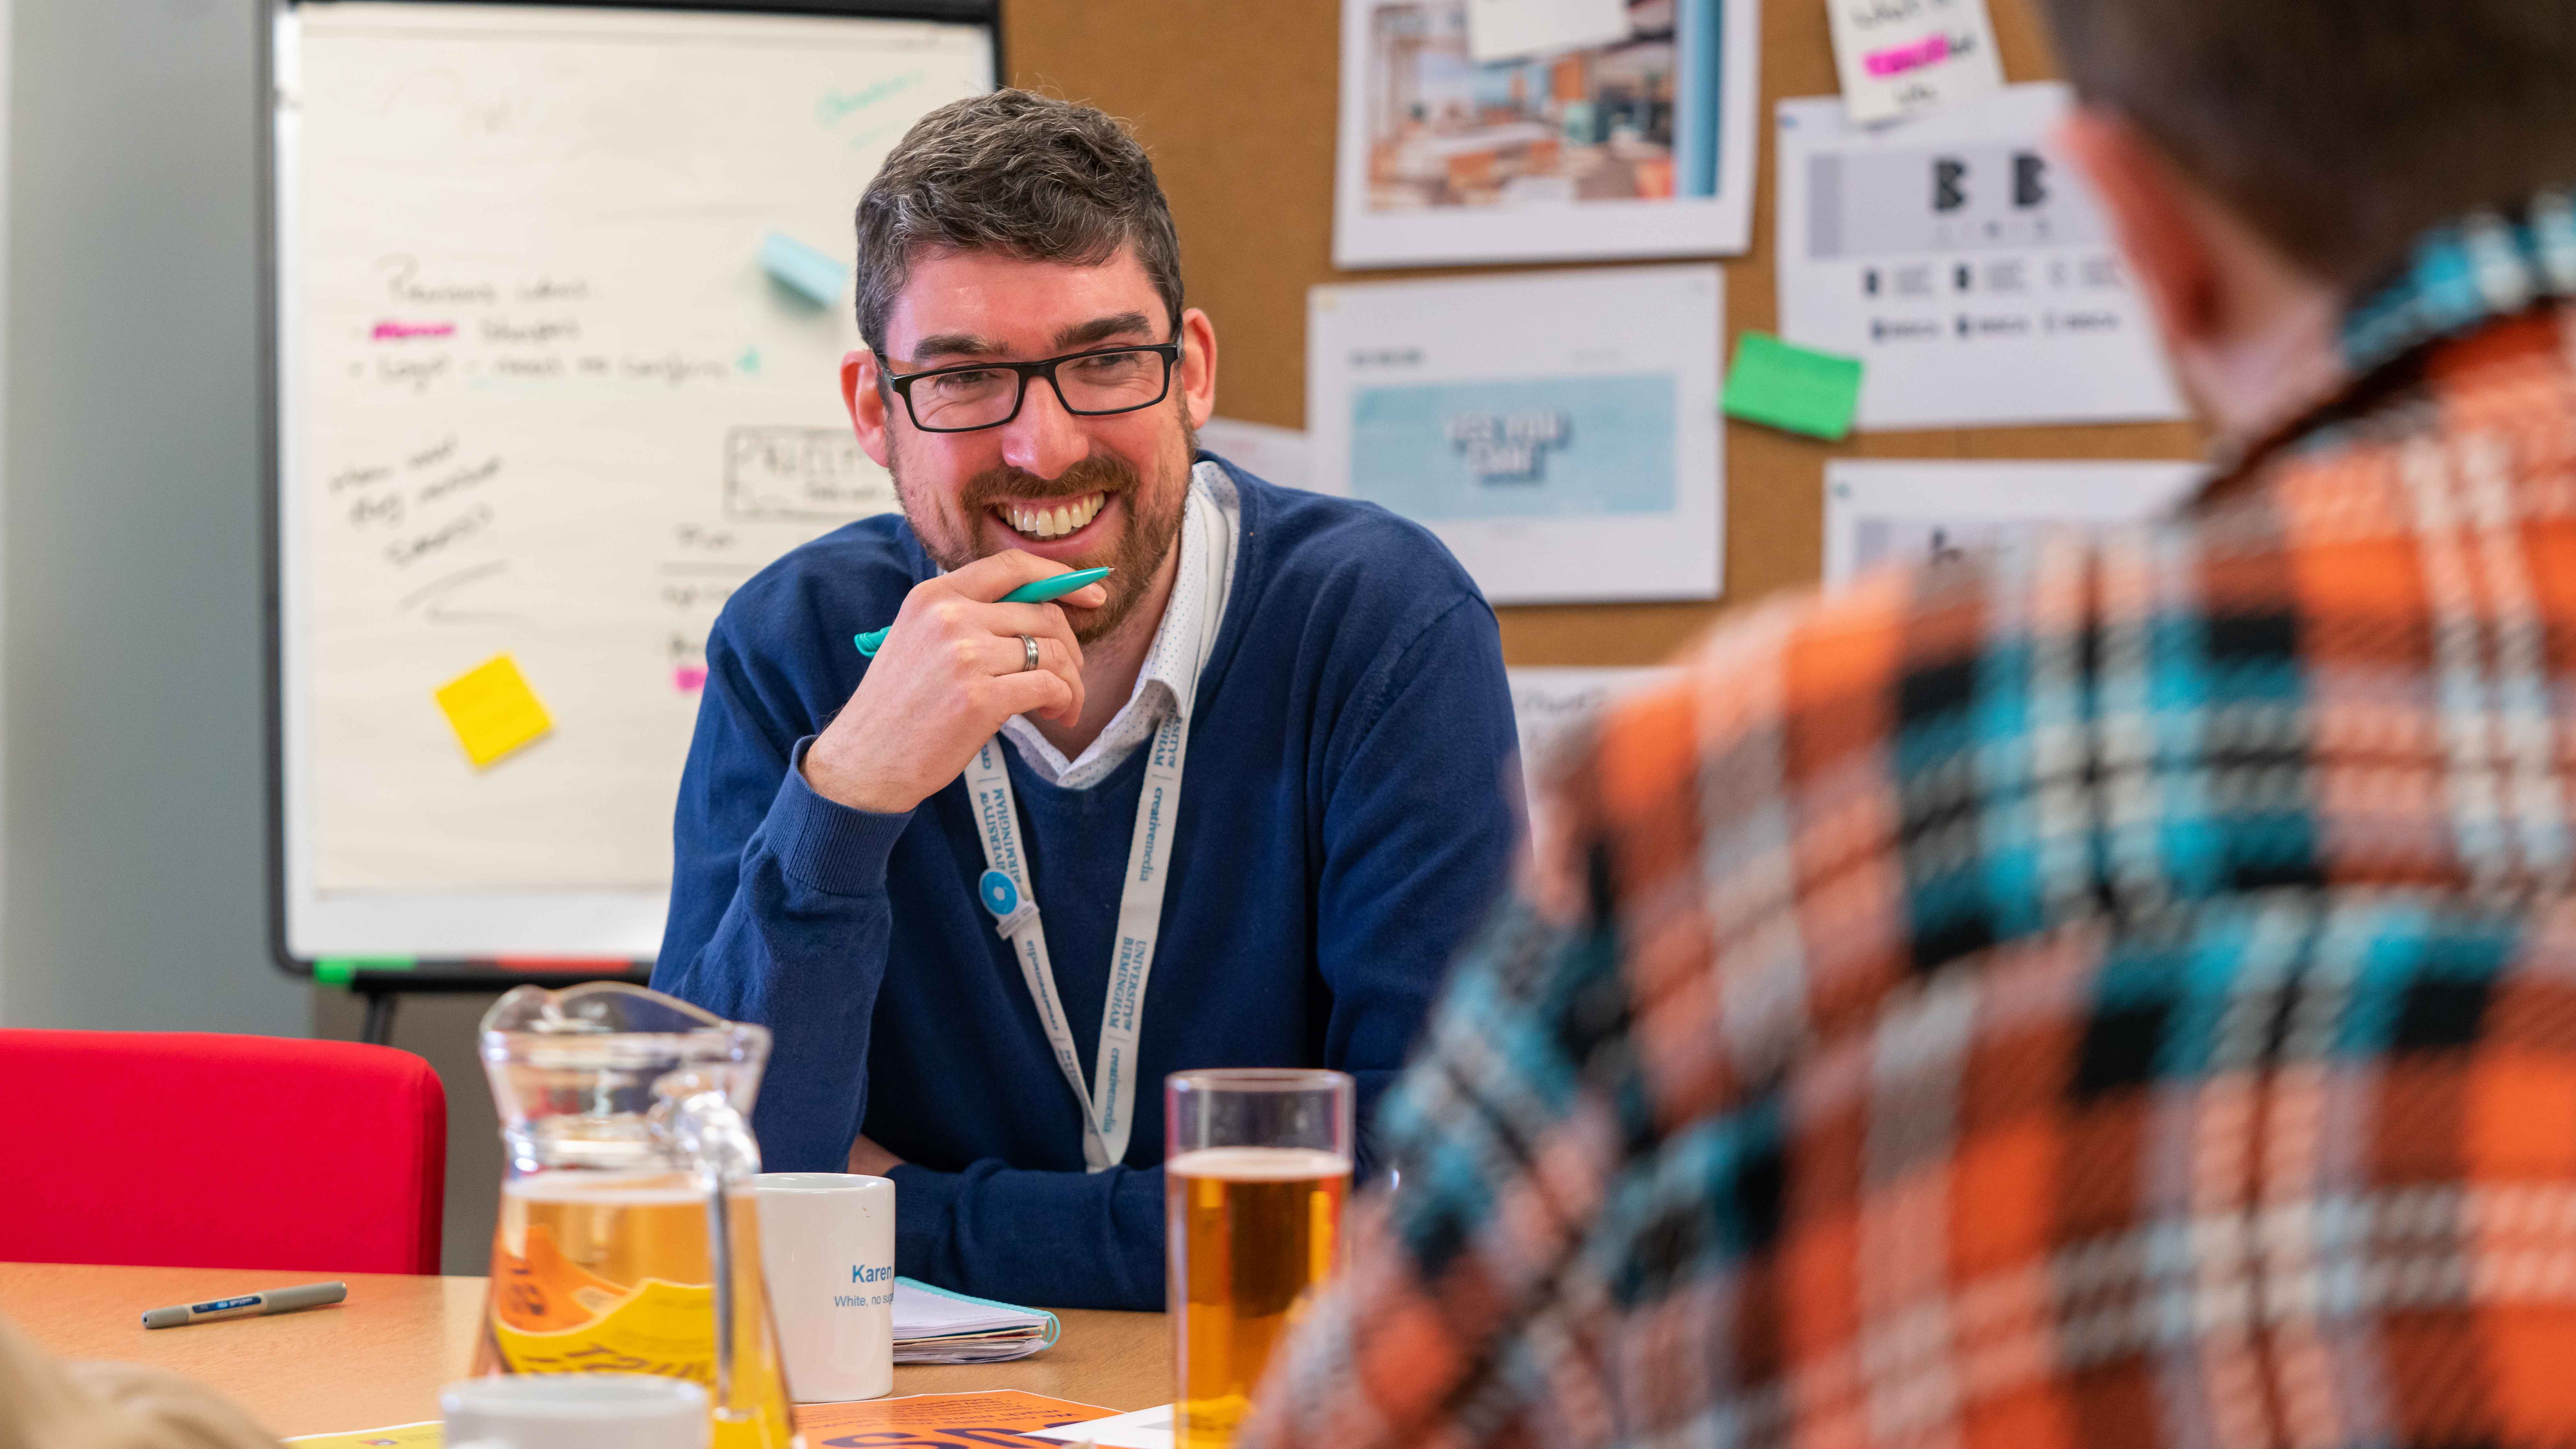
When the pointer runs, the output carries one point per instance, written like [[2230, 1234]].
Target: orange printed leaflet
[[995, 1419]]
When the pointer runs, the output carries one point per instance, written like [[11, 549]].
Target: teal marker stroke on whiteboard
[[1042, 591]]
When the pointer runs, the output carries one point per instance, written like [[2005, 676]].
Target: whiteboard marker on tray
[[275, 1300]]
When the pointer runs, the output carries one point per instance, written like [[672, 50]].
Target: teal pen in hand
[[1040, 592]]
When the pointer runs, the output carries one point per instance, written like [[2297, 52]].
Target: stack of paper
[[933, 1325]]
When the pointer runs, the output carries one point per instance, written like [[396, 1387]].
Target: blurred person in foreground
[[46, 1404], [2119, 992]]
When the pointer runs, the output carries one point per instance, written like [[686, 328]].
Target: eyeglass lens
[[1102, 382]]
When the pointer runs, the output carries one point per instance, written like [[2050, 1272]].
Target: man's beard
[[1153, 523]]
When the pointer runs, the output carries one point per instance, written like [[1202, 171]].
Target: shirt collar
[[1168, 681], [2488, 264], [1198, 600]]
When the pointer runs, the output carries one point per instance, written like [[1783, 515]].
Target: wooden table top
[[381, 1357]]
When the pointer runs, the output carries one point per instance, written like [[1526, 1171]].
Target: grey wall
[[135, 755], [134, 789]]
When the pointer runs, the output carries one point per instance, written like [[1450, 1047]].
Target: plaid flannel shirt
[[2117, 992]]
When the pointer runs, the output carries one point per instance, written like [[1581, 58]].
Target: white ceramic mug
[[827, 1246]]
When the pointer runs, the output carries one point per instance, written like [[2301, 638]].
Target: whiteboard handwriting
[[403, 284], [439, 540]]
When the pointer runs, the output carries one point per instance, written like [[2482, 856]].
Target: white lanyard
[[1004, 889]]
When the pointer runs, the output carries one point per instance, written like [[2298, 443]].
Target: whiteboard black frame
[[444, 974]]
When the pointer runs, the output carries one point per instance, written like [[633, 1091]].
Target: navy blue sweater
[[1347, 816]]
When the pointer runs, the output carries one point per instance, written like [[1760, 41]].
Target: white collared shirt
[[1211, 522]]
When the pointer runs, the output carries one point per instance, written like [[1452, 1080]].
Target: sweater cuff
[[824, 844], [924, 1204]]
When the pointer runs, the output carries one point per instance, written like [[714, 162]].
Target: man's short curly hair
[[1018, 174]]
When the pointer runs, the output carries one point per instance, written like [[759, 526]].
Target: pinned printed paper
[[1792, 388], [1550, 707], [1273, 455], [1961, 257], [1882, 511], [1557, 430], [1905, 57], [492, 710], [1501, 29], [1544, 130]]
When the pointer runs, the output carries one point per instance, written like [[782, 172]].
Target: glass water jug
[[628, 1240]]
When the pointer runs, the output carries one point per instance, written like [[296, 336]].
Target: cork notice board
[[1236, 99]]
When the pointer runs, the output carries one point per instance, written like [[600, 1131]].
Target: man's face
[[1082, 491]]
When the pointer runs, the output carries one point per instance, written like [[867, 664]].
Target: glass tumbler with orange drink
[[1256, 1166]]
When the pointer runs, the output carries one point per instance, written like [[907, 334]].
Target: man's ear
[[1196, 377], [865, 397], [2158, 221]]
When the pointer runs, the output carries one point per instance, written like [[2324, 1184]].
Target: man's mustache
[[1011, 485]]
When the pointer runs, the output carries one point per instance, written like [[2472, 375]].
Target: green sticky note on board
[[1780, 385]]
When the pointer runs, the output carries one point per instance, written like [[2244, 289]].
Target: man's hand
[[947, 676], [869, 1160]]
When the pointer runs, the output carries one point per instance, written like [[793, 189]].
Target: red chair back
[[190, 1149]]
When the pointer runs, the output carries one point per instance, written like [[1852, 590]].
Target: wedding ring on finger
[[1028, 653]]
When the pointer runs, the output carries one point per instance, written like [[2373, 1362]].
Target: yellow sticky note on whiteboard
[[492, 709]]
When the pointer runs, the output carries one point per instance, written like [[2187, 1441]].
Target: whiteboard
[[537, 397]]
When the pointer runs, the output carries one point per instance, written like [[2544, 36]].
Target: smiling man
[[1235, 805]]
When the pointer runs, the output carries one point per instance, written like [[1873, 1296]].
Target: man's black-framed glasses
[[988, 394]]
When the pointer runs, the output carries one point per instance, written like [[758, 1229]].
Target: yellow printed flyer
[[423, 1435], [661, 1328], [996, 1419]]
